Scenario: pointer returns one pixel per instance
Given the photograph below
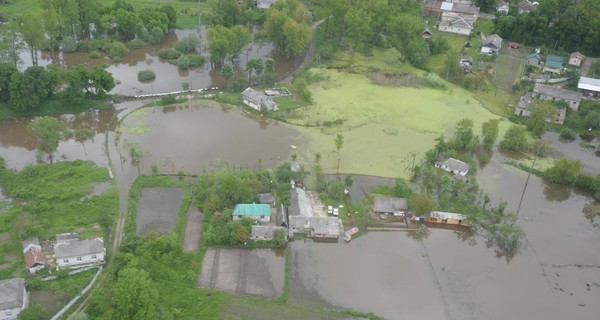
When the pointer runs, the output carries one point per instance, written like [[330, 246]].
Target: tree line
[[565, 25]]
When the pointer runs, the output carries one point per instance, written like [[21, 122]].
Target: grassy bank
[[53, 106]]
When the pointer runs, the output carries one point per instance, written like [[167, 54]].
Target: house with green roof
[[258, 212], [554, 64]]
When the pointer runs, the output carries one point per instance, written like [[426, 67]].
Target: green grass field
[[507, 70]]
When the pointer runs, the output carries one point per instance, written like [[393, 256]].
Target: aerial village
[[223, 267]]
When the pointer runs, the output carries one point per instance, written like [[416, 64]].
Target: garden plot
[[258, 272], [158, 209]]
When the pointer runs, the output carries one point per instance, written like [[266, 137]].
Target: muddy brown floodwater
[[168, 77], [588, 157]]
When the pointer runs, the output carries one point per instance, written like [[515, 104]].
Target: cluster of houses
[[67, 251]]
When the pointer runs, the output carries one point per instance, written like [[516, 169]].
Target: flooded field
[[158, 209], [588, 157], [258, 272]]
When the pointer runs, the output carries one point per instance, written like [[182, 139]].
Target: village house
[[526, 6], [533, 59], [503, 7], [491, 44], [436, 8], [13, 298], [389, 205], [35, 259], [523, 107], [71, 252], [576, 58], [545, 92], [554, 64], [300, 204], [256, 211], [266, 198], [454, 23], [258, 100], [266, 233], [454, 166], [264, 4], [589, 86], [318, 228]]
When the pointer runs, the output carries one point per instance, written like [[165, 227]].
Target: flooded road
[[168, 77]]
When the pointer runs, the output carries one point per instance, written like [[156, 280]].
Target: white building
[[264, 4], [454, 166], [455, 23], [79, 253], [258, 100], [13, 298], [590, 86]]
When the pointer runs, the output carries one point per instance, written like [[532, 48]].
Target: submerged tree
[[48, 131]]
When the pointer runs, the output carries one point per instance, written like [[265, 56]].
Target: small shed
[[514, 45], [576, 58], [266, 198], [426, 34], [389, 204]]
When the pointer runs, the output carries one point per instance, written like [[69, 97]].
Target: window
[[66, 260], [94, 257], [262, 217], [8, 313], [78, 258]]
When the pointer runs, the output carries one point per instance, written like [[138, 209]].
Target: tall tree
[[339, 144], [541, 113], [227, 72], [102, 81], [563, 171], [489, 132], [6, 72], [514, 139], [464, 134], [10, 44], [32, 29], [48, 131], [358, 27], [134, 296]]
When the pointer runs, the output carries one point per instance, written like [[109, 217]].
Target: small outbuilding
[[258, 212], [576, 58], [266, 198], [533, 59], [514, 45], [454, 166], [35, 259], [266, 233]]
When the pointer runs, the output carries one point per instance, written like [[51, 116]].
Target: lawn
[[384, 127], [507, 70]]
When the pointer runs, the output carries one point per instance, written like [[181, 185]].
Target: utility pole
[[537, 149]]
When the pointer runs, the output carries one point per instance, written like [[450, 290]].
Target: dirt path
[[193, 230]]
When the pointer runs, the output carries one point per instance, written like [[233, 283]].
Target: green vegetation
[[146, 75], [48, 131]]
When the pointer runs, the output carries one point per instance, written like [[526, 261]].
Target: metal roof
[[446, 6], [454, 165], [12, 294], [553, 61], [321, 226], [300, 204], [79, 248], [591, 84], [252, 209], [557, 93], [388, 204]]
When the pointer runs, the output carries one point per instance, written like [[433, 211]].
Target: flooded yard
[[158, 209], [258, 272]]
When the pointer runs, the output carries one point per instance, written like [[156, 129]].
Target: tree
[[537, 122], [287, 26], [10, 44], [279, 238], [187, 44], [251, 65], [227, 72], [269, 66], [421, 204], [6, 72], [133, 296], [102, 81], [358, 26], [339, 143], [563, 171], [32, 30], [33, 312], [82, 135], [240, 38], [401, 188], [514, 139], [452, 66], [489, 132], [488, 6], [464, 134], [48, 131]]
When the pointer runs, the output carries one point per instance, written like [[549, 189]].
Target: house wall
[[255, 218], [78, 261], [252, 104], [35, 269], [10, 314], [457, 30]]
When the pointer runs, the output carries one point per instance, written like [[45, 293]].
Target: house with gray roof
[[67, 237], [258, 100], [264, 4], [576, 58], [454, 23], [266, 198], [13, 298], [491, 44], [300, 204], [503, 7], [545, 92], [389, 205], [533, 59], [266, 233], [526, 6], [281, 217], [454, 166], [79, 253], [590, 86], [320, 228]]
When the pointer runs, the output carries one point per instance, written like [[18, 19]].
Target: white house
[[13, 298], [503, 7], [454, 23], [35, 259], [79, 253], [454, 166], [491, 44], [258, 100], [258, 212]]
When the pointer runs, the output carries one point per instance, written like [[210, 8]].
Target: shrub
[[187, 44], [69, 44], [95, 54], [567, 134], [136, 44], [169, 53], [196, 60], [183, 63], [168, 99], [156, 35], [117, 50], [146, 75]]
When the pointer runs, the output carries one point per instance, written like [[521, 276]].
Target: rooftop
[[494, 40], [557, 93], [327, 226], [34, 256], [586, 83], [78, 248], [12, 293], [300, 204], [534, 55], [259, 97], [34, 242], [252, 209], [553, 61], [265, 231], [388, 204], [454, 165], [266, 198], [66, 237]]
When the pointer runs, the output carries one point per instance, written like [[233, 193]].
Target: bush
[[567, 134], [168, 99], [183, 63], [95, 54], [156, 35], [196, 60], [136, 44], [146, 75], [69, 44], [117, 50], [169, 53], [187, 44]]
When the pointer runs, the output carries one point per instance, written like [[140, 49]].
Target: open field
[[384, 127], [158, 209], [507, 69]]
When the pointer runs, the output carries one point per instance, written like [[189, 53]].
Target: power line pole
[[528, 176]]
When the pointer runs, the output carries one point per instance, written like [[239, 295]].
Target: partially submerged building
[[454, 166], [35, 259], [75, 253], [13, 298]]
